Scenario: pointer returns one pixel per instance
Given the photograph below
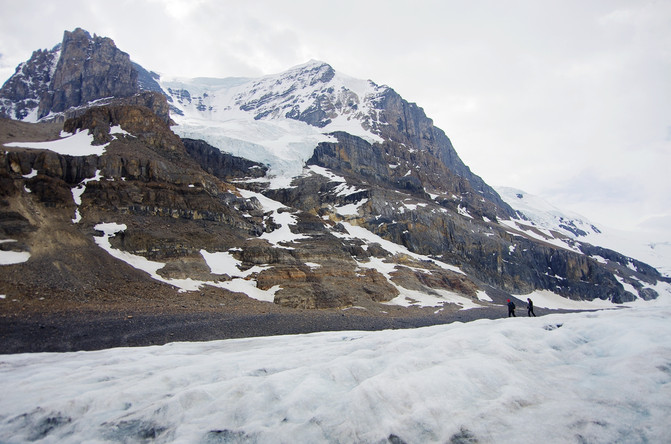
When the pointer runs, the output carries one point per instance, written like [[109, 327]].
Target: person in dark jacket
[[530, 307], [511, 308]]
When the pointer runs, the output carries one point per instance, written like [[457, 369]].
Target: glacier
[[248, 117], [597, 377]]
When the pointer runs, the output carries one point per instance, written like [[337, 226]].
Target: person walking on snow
[[530, 307], [511, 308]]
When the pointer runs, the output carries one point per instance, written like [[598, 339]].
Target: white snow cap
[[257, 118]]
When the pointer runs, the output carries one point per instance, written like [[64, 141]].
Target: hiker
[[530, 307], [511, 308]]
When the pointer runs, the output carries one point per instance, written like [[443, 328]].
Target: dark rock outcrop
[[141, 121], [21, 93], [79, 70], [405, 123], [89, 68], [147, 80], [222, 165]]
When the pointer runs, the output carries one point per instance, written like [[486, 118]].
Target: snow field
[[283, 234], [548, 299], [77, 144], [593, 377], [77, 193], [12, 257], [219, 263]]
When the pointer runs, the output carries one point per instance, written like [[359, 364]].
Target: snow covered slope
[[545, 215], [536, 212], [276, 120], [503, 381]]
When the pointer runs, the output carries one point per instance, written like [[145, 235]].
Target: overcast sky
[[569, 100]]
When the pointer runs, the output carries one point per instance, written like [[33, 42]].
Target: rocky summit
[[305, 190]]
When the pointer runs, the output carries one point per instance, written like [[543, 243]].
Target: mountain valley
[[304, 192]]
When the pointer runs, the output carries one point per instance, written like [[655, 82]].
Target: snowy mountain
[[78, 71], [545, 215], [536, 212], [306, 188], [276, 120], [279, 119], [313, 93]]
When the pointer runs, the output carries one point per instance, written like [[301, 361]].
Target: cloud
[[616, 200], [659, 223], [180, 9], [590, 185]]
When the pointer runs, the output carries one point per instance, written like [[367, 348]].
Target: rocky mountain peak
[[89, 68], [312, 93], [21, 93], [311, 73], [79, 70], [332, 102]]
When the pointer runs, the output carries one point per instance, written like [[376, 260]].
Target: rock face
[[456, 232], [145, 179], [173, 210], [21, 94], [222, 165], [392, 165], [408, 125], [77, 71], [88, 69]]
